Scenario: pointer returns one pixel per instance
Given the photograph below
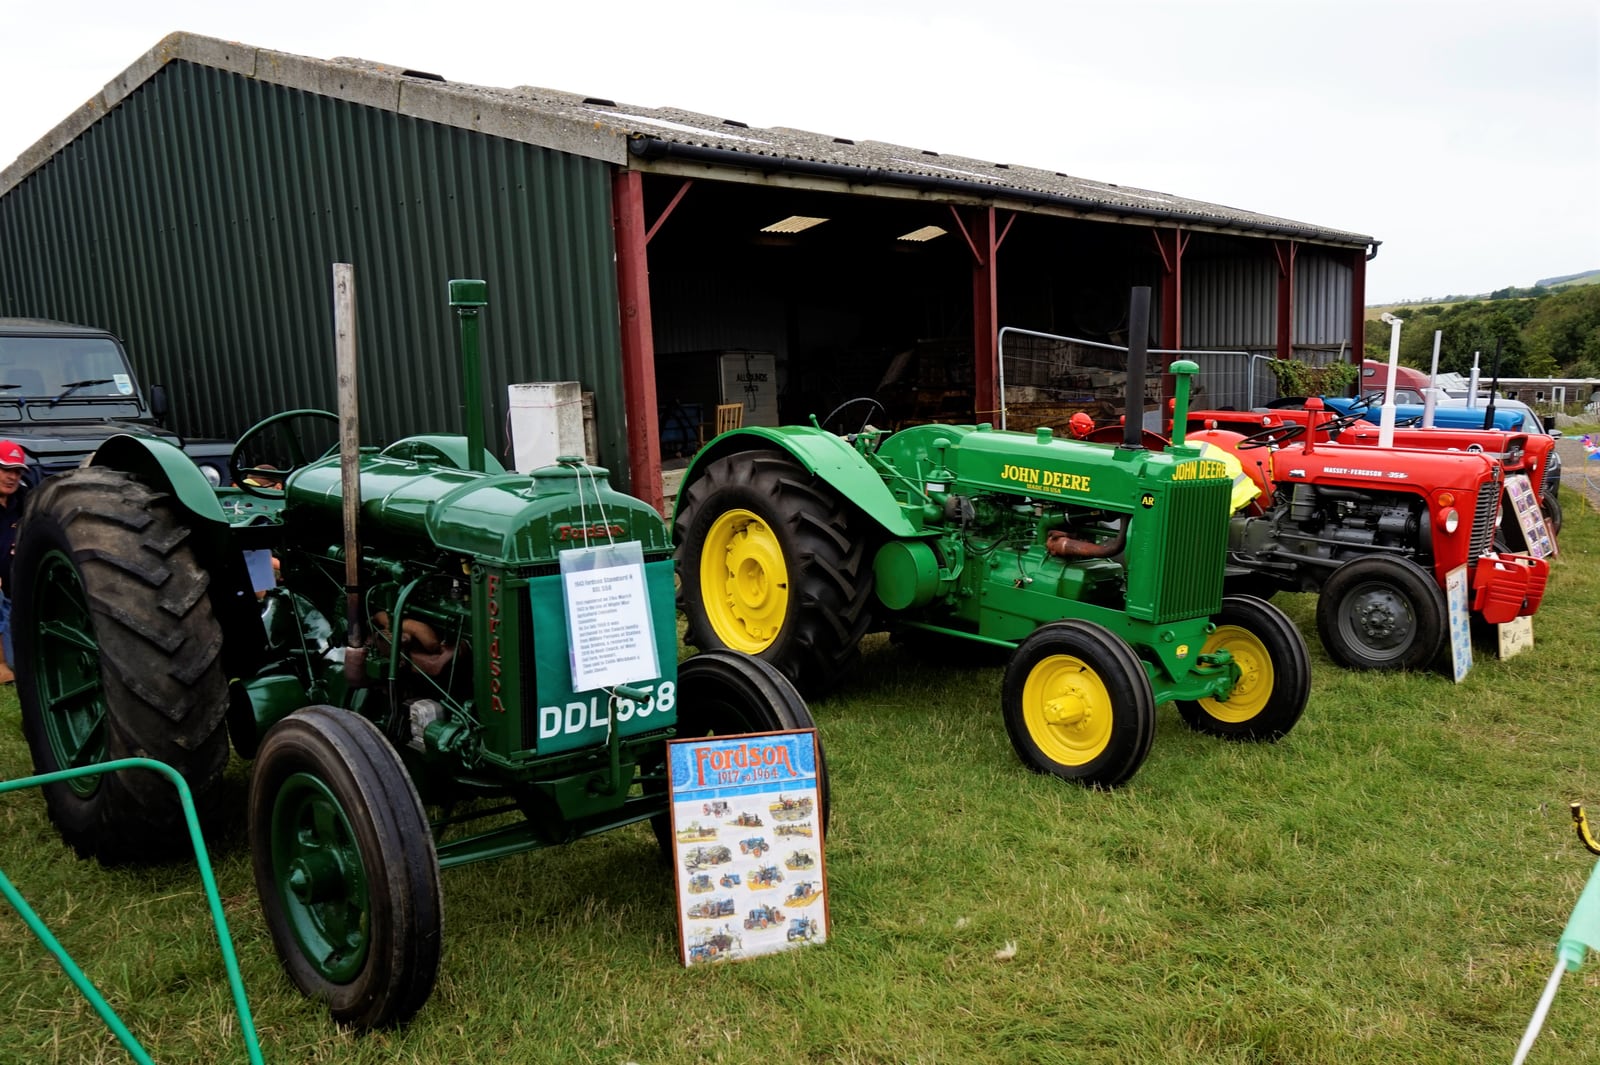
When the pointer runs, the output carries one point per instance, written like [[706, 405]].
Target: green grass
[[1385, 885]]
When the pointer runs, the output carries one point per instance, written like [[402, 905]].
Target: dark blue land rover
[[65, 389]]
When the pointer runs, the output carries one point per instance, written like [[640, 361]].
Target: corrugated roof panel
[[202, 179], [609, 131]]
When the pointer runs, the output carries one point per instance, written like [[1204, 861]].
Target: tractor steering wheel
[[1354, 416], [870, 403], [267, 481], [1273, 437]]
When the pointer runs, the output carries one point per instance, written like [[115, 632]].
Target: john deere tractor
[[1100, 565], [396, 636]]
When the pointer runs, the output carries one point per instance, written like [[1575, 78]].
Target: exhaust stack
[[1138, 357]]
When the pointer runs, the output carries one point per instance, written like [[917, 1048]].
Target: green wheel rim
[[320, 878], [744, 581], [66, 672]]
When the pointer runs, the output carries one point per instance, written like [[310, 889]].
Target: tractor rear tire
[[118, 655], [1382, 613], [1078, 705], [1275, 674], [345, 867], [774, 563], [1551, 506], [723, 693]]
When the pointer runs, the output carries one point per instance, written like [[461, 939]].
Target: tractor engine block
[[1327, 526]]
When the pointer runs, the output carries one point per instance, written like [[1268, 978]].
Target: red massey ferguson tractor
[[1376, 531], [1518, 452]]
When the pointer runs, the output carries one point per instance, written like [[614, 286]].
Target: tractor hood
[[510, 519]]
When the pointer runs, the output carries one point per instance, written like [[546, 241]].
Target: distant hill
[[1538, 288], [1588, 277]]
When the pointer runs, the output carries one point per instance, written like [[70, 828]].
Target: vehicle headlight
[[213, 478], [1452, 520]]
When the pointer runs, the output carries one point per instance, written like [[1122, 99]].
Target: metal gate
[[1046, 378]]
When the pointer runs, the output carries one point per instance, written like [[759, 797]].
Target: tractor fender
[[830, 457], [163, 466]]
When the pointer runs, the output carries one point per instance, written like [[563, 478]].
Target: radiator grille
[[1195, 532], [1486, 518]]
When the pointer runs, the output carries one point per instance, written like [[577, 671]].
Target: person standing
[[13, 460]]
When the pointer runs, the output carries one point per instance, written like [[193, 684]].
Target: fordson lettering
[[762, 761], [588, 532], [494, 645], [1051, 480], [1204, 470]]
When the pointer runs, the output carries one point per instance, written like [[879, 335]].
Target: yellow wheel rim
[[1067, 710], [1250, 695], [744, 582]]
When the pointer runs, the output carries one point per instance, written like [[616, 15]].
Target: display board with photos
[[747, 845]]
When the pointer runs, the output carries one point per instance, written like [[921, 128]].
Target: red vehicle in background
[[1375, 531], [1529, 453]]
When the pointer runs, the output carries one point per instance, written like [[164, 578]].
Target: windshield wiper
[[73, 386]]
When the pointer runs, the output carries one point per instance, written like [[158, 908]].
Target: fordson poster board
[[1525, 501], [747, 845]]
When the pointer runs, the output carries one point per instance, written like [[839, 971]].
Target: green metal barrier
[[74, 973]]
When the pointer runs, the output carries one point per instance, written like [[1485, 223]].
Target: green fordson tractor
[[1100, 564], [395, 636]]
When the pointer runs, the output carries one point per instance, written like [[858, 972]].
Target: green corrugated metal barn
[[195, 206]]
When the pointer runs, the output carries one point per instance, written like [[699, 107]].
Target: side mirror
[[158, 402]]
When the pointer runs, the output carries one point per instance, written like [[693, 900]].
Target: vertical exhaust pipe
[[1138, 357], [344, 346], [469, 298], [1494, 385]]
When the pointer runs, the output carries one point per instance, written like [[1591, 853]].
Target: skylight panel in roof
[[924, 165], [795, 223], [716, 134], [926, 233]]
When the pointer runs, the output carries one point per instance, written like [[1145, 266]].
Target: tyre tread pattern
[[159, 646], [1291, 668], [830, 573], [1405, 576], [1127, 685], [352, 755]]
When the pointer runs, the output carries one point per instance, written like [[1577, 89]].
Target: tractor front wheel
[[1550, 504], [118, 655], [772, 566], [1274, 674], [722, 693], [1078, 705], [345, 867], [1382, 613]]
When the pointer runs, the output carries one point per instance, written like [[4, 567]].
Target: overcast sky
[[1464, 135]]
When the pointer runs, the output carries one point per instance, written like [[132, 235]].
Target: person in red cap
[[13, 460]]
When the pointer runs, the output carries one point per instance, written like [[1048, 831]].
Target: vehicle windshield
[[69, 372]]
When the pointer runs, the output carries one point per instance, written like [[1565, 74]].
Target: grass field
[[1385, 885]]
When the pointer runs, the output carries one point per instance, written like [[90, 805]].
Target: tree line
[[1550, 334]]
